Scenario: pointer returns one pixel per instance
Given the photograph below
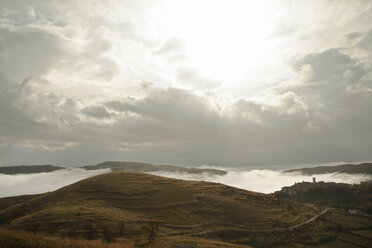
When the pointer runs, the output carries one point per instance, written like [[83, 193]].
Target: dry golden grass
[[14, 239], [136, 197], [95, 208]]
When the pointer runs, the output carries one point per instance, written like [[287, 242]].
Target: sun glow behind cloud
[[185, 82], [224, 39]]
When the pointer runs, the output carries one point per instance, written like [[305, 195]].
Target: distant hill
[[133, 205], [113, 165], [28, 169], [145, 167], [363, 168]]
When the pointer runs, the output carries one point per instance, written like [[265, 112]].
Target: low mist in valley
[[265, 181], [11, 185]]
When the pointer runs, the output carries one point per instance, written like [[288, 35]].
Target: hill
[[146, 167], [351, 212], [28, 169], [113, 165], [363, 168], [133, 206], [338, 195]]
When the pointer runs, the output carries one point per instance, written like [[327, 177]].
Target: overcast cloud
[[87, 81]]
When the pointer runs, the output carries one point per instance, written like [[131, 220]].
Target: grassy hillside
[[145, 209], [350, 230], [13, 200], [363, 168], [350, 216]]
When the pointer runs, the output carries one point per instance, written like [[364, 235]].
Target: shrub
[[122, 228], [108, 235], [152, 229], [91, 231]]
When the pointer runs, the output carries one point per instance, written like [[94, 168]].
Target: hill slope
[[363, 168], [141, 200]]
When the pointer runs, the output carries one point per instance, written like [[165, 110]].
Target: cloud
[[22, 184], [327, 65], [22, 45], [173, 50], [73, 83], [345, 83], [164, 116], [97, 112], [273, 110], [167, 105], [173, 125], [366, 40], [171, 46], [193, 77]]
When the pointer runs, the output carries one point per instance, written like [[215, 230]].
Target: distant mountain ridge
[[28, 169], [113, 165], [145, 167], [362, 168]]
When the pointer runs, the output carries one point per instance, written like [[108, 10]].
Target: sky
[[229, 83]]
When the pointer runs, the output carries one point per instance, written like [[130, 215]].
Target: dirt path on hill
[[304, 223], [269, 230]]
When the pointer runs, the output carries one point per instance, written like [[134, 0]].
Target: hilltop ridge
[[362, 168], [29, 169], [338, 195]]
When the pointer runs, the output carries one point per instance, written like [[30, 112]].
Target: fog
[[265, 181], [11, 185]]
